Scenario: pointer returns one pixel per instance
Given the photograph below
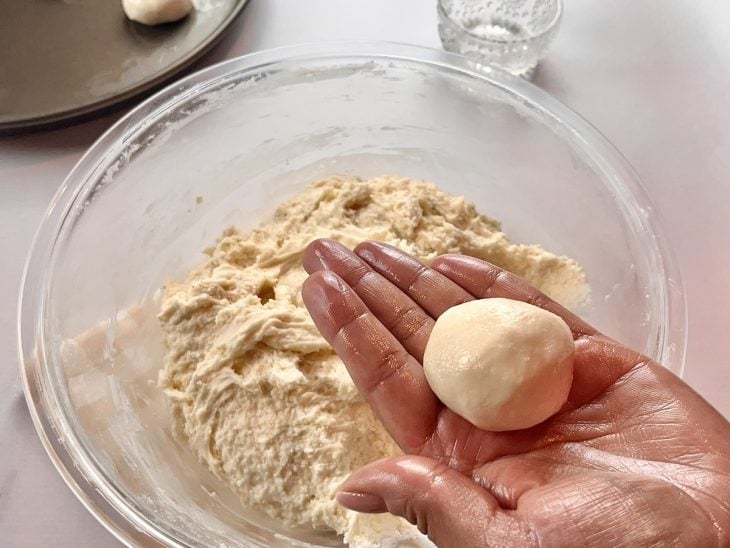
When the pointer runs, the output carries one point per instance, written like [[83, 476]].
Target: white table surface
[[654, 77]]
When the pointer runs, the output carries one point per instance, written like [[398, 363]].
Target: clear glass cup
[[511, 34]]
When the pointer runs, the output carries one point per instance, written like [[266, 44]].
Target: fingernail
[[364, 252], [319, 257], [321, 288], [333, 280], [328, 251], [314, 258], [319, 293], [366, 503], [374, 252]]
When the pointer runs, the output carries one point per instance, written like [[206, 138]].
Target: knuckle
[[389, 364], [493, 278], [419, 273], [408, 323], [359, 276], [538, 299], [344, 330], [437, 477]]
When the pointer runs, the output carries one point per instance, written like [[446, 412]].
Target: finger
[[396, 311], [597, 364], [482, 280], [431, 290], [446, 505], [617, 509], [388, 377], [508, 478]]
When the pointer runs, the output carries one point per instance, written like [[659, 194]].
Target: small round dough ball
[[156, 12], [499, 363]]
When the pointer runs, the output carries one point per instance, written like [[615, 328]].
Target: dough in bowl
[[499, 363], [254, 389]]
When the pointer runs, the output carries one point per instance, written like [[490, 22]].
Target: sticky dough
[[499, 363]]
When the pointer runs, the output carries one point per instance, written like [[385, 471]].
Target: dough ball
[[499, 363], [155, 12]]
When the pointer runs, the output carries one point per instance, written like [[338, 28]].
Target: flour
[[257, 393]]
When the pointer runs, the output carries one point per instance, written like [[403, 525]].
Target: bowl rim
[[75, 466]]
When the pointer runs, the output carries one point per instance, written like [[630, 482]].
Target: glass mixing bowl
[[225, 146]]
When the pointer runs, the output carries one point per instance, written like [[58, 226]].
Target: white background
[[654, 77]]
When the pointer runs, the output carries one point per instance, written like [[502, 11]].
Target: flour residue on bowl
[[258, 394]]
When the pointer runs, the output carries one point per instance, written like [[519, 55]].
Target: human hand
[[634, 458]]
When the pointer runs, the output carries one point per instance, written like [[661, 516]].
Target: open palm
[[634, 458]]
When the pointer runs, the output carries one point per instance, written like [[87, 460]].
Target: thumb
[[447, 506]]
